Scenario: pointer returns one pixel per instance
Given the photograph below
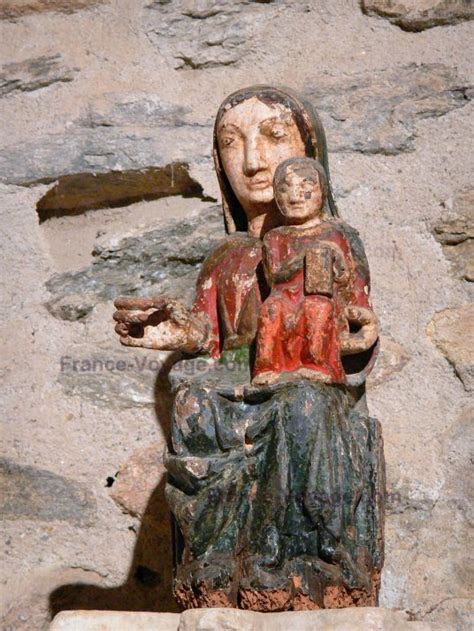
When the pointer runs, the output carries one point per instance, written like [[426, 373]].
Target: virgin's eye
[[278, 132], [226, 142]]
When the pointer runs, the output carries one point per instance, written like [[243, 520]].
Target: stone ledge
[[353, 619], [115, 621]]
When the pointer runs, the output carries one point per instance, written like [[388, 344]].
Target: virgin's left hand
[[367, 334]]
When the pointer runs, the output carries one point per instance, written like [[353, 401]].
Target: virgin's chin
[[261, 196]]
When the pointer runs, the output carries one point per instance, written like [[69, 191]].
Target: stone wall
[[107, 188]]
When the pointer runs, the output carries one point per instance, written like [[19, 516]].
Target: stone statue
[[276, 472]]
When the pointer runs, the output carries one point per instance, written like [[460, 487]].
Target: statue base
[[354, 618]]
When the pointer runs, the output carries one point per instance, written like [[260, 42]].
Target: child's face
[[299, 197]]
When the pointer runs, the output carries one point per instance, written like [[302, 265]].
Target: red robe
[[228, 292], [299, 330], [231, 289]]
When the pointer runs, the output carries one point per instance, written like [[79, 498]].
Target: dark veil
[[312, 133]]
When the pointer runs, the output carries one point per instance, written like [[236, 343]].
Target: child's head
[[300, 187]]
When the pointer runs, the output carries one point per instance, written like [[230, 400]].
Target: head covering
[[312, 134]]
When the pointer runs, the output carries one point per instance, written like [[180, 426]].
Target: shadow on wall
[[148, 586]]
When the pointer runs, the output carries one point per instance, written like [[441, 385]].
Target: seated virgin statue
[[276, 487]]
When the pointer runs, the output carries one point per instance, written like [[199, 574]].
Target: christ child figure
[[308, 267]]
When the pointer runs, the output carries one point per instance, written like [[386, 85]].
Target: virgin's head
[[256, 129]]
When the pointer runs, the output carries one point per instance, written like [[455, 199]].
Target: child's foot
[[265, 378], [313, 375]]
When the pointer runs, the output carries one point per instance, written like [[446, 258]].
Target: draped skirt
[[277, 500]]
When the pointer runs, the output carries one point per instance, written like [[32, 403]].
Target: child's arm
[[278, 271]]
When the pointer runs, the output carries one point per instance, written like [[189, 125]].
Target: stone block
[[28, 492], [13, 9], [33, 74], [114, 621], [452, 330], [163, 261], [413, 15], [455, 232], [352, 619]]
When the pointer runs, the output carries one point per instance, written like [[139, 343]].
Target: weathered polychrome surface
[[277, 492], [302, 330], [276, 486]]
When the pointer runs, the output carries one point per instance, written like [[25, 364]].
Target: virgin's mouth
[[258, 184]]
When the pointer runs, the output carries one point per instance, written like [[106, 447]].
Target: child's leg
[[319, 320], [294, 334], [268, 357]]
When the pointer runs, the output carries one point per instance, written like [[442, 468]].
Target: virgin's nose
[[254, 158]]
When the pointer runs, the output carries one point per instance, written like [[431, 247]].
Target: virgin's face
[[253, 139]]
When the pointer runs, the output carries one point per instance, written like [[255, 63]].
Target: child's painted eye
[[226, 142]]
